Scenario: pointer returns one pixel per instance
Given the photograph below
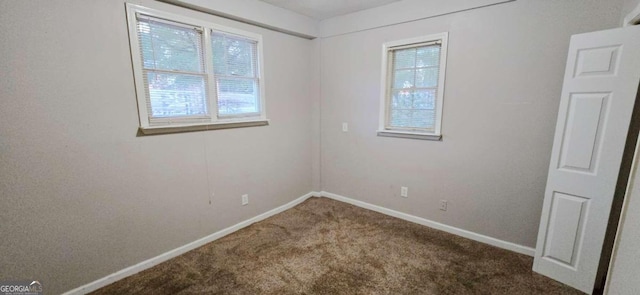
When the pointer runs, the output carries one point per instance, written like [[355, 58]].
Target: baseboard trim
[[436, 225], [95, 285]]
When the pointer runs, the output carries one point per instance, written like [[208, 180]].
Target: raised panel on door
[[599, 61], [582, 131], [564, 233]]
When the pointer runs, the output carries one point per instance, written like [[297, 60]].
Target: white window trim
[[383, 130], [217, 122]]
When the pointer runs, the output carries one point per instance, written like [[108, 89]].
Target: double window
[[413, 92], [194, 75]]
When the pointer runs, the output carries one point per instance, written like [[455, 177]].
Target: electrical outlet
[[443, 205], [345, 127], [245, 200], [404, 192]]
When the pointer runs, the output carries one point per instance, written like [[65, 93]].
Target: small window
[[413, 77], [193, 75]]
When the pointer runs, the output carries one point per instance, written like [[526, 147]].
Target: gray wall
[[82, 196], [623, 272], [504, 78], [629, 6]]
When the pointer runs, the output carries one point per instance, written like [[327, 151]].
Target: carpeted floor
[[324, 246]]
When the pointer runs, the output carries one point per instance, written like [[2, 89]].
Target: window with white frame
[[194, 75], [413, 87]]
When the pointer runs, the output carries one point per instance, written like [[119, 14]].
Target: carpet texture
[[324, 246]]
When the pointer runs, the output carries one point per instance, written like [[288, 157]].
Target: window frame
[[212, 120], [384, 128]]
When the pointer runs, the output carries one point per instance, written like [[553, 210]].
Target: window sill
[[142, 131], [410, 135]]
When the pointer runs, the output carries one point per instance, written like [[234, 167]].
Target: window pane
[[427, 77], [428, 56], [239, 58], [170, 47], [403, 79], [400, 118], [424, 99], [237, 96], [401, 100], [234, 56], [404, 58], [176, 95], [235, 67], [219, 47], [423, 119]]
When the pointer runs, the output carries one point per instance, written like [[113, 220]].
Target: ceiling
[[323, 9]]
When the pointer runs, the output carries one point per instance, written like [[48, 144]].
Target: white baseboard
[[95, 285], [436, 225]]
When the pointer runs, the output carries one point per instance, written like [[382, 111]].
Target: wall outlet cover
[[245, 200], [443, 205]]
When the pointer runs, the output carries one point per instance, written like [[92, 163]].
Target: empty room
[[319, 147]]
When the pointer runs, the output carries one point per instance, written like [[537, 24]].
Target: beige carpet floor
[[324, 246]]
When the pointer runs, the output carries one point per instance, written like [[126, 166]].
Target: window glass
[[236, 75], [415, 73]]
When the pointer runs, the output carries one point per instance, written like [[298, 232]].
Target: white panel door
[[599, 92]]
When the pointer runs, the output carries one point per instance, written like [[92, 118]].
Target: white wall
[[82, 196], [504, 79]]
